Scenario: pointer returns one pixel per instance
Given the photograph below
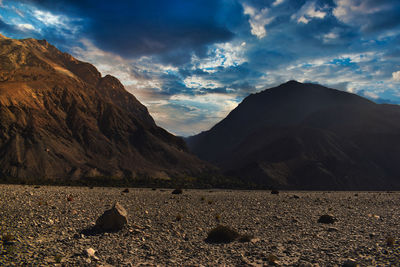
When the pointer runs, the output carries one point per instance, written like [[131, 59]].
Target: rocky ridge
[[60, 119]]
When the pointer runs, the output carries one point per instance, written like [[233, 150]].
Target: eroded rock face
[[59, 118], [112, 220]]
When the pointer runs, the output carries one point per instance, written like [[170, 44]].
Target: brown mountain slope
[[60, 119], [307, 136]]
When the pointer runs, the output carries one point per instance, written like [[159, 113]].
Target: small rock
[[371, 235], [332, 229], [177, 191], [245, 238], [113, 219], [328, 219], [350, 263], [272, 259], [90, 253]]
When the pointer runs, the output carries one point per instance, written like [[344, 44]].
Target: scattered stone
[[272, 259], [70, 198], [327, 219], [90, 253], [245, 238], [332, 229], [8, 239], [177, 191], [178, 218], [58, 258], [126, 190], [113, 219], [350, 263], [371, 235], [390, 241], [222, 234]]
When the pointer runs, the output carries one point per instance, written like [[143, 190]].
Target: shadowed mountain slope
[[59, 118], [307, 136]]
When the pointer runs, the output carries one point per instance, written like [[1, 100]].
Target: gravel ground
[[42, 226]]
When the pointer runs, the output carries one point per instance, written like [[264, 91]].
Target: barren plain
[[46, 226]]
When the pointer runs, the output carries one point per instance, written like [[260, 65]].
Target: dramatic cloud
[[191, 62], [258, 19], [135, 28], [307, 12], [396, 76], [369, 15]]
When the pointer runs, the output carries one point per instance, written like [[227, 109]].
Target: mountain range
[[60, 119], [306, 136]]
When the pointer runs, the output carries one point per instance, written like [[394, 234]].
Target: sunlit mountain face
[[192, 62]]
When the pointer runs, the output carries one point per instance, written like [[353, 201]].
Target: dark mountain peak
[[305, 135], [291, 83], [59, 118]]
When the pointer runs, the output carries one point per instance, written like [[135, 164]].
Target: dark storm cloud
[[135, 28]]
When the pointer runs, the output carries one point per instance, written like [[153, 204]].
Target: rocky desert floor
[[46, 226]]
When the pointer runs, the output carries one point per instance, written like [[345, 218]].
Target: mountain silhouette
[[60, 119], [306, 136]]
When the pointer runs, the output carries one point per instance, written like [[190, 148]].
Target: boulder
[[177, 191], [222, 234], [327, 219], [113, 219]]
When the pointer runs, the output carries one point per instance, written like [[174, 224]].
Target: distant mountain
[[60, 119], [306, 136]]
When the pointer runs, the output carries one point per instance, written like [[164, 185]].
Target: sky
[[192, 61]]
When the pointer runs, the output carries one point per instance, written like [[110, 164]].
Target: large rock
[[113, 219], [327, 219]]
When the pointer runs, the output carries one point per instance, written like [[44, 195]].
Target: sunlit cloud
[[278, 2], [198, 82], [221, 55], [307, 12], [258, 19], [350, 11], [50, 19], [396, 76], [26, 26]]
